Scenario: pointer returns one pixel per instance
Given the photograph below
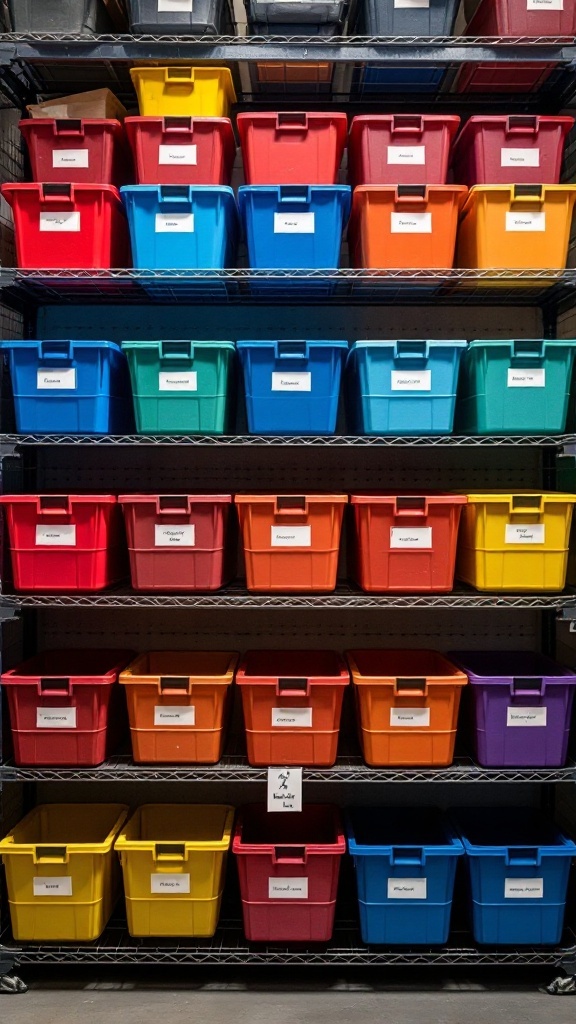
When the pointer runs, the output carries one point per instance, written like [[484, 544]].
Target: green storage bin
[[181, 387], [515, 387]]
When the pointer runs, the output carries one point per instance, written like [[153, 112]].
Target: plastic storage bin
[[515, 387], [513, 18], [380, 79], [292, 148], [292, 387], [391, 18], [65, 542], [183, 91], [292, 703], [518, 864], [407, 226], [308, 13], [182, 150], [68, 226], [79, 151], [62, 873], [405, 543], [181, 387], [180, 17], [291, 542], [403, 387], [294, 226], [173, 859], [178, 704], [69, 387], [288, 866], [520, 149], [181, 226], [515, 542], [405, 861], [179, 542], [400, 149], [79, 17], [407, 706], [66, 707], [521, 703]]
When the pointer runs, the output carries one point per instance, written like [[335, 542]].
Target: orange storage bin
[[177, 705], [407, 705], [292, 703], [291, 542], [405, 226]]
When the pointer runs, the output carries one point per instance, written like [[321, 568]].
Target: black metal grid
[[268, 441]]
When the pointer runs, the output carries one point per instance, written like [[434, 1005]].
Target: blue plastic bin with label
[[70, 387], [292, 387], [405, 861], [294, 227]]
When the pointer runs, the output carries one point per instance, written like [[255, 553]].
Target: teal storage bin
[[181, 387], [515, 387]]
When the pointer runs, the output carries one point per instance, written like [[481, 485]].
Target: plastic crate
[[292, 148], [179, 542], [294, 226], [79, 151], [88, 221], [405, 861], [173, 859], [377, 79], [292, 387], [407, 706], [518, 864], [182, 150], [62, 873], [291, 542], [520, 149], [182, 387], [515, 387], [292, 703], [294, 28], [405, 543], [522, 704], [69, 387], [66, 707], [180, 17], [288, 866], [183, 91], [400, 149], [178, 703], [515, 542], [76, 17], [65, 542], [394, 18], [302, 77], [407, 226], [403, 387], [514, 18], [308, 13]]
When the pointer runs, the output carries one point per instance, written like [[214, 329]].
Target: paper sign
[[523, 888], [527, 378], [178, 223], [294, 223], [174, 6], [411, 537], [411, 380], [411, 223], [292, 718], [55, 718], [178, 156], [67, 221], [519, 157], [298, 381], [174, 381], [407, 155], [179, 714], [544, 5], [407, 888], [160, 883], [291, 536], [288, 888], [516, 534], [56, 535], [284, 789], [70, 158], [45, 886], [175, 536], [400, 4], [410, 718], [526, 716], [56, 380], [526, 221]]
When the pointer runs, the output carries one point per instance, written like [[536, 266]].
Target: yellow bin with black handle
[[183, 91]]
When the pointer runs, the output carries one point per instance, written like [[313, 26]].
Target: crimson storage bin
[[77, 150], [405, 543], [521, 705], [400, 149], [65, 542], [292, 703], [522, 149], [66, 707], [64, 227], [292, 148], [288, 865], [182, 150], [179, 542]]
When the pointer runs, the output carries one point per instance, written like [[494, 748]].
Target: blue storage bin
[[518, 863], [375, 78], [405, 861], [403, 387], [292, 387], [70, 387], [294, 227]]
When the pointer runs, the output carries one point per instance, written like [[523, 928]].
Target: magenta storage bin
[[520, 149], [521, 706]]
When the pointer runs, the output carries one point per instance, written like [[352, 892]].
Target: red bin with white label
[[77, 150], [401, 149], [520, 149], [182, 150]]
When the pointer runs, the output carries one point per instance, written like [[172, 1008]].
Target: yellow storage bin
[[515, 542], [184, 91], [173, 858], [62, 873]]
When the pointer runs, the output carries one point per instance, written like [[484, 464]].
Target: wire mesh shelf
[[271, 441]]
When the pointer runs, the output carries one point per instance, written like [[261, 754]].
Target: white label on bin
[[410, 718], [56, 380], [55, 718], [411, 380], [46, 886], [407, 888], [166, 536], [160, 883], [527, 378], [526, 221], [174, 6], [178, 714], [287, 888], [294, 223], [523, 888], [544, 5], [178, 381], [517, 534], [292, 718], [406, 155], [526, 716], [284, 789], [67, 220], [291, 536], [179, 223], [299, 381], [411, 223], [178, 156], [519, 157], [399, 4], [64, 536], [70, 158], [411, 537]]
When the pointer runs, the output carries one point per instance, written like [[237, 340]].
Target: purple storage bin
[[521, 707]]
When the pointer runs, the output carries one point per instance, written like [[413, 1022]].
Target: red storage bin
[[400, 149], [524, 77], [66, 707], [292, 703], [182, 150], [77, 150], [65, 542], [292, 148], [64, 227], [288, 865], [405, 543], [522, 149], [179, 542]]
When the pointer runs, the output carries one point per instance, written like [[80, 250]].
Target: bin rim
[[338, 118], [453, 676], [123, 843], [80, 499], [477, 191], [313, 342], [271, 678], [267, 849], [546, 667], [138, 120], [97, 122], [497, 496], [384, 498], [21, 675], [129, 676], [200, 71], [146, 343], [197, 499], [224, 190], [453, 847], [9, 846], [493, 342], [477, 121], [450, 121], [9, 187], [311, 499], [15, 345], [564, 847]]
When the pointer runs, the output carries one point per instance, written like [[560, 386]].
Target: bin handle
[[406, 194], [293, 687], [58, 686], [527, 194], [528, 349], [411, 684], [523, 856], [50, 855], [173, 504], [169, 851], [176, 350], [56, 193], [56, 350], [291, 350], [525, 685], [291, 505], [526, 503], [411, 506], [69, 126], [53, 504], [293, 194], [528, 124], [407, 124], [411, 349], [175, 194], [292, 121], [177, 124], [179, 74], [407, 855], [290, 855], [172, 683]]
